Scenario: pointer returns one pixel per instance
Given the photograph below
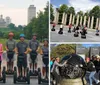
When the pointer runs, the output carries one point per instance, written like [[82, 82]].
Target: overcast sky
[[83, 5], [17, 9]]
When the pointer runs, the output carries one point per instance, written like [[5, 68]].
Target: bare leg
[[43, 71]]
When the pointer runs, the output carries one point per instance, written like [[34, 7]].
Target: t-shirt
[[33, 44], [22, 47], [45, 50], [11, 44]]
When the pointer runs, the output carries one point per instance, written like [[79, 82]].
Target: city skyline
[[19, 12]]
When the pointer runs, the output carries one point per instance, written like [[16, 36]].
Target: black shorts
[[22, 61], [10, 55], [45, 60], [33, 56]]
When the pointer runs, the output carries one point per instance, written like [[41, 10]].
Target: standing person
[[45, 57], [22, 50], [10, 48], [70, 26], [92, 70], [55, 70], [1, 51], [33, 47]]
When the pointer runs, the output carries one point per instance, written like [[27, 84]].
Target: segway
[[33, 57], [69, 31], [53, 29], [3, 78], [60, 31], [40, 79], [10, 71], [76, 34], [21, 78], [97, 34], [83, 36]]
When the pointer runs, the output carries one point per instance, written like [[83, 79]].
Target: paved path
[[69, 37]]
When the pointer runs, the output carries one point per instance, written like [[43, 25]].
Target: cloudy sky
[[83, 5], [17, 9]]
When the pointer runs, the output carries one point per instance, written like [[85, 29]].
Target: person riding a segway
[[23, 71], [2, 73], [53, 27], [70, 26], [10, 48], [97, 32], [83, 33], [33, 47], [60, 30], [45, 58]]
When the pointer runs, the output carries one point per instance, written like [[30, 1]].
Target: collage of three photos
[[50, 42]]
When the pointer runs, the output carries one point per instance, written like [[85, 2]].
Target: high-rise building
[[31, 13], [2, 22], [8, 20]]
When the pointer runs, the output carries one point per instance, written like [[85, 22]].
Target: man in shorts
[[22, 50], [33, 47], [10, 48]]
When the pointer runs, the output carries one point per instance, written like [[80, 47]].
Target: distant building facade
[[4, 22], [31, 13]]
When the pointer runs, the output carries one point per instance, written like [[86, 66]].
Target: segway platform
[[53, 29], [21, 78], [97, 34], [9, 72], [83, 36], [33, 73], [3, 78], [76, 35], [40, 79]]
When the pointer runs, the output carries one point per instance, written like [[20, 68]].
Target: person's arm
[[6, 46], [14, 46], [1, 49], [26, 49], [41, 51], [16, 49], [60, 65], [29, 46]]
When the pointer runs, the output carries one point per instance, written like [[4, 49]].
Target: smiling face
[[22, 39]]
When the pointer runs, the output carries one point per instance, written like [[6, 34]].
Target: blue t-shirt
[[51, 63]]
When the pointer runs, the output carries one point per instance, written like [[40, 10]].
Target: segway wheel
[[28, 76], [15, 75], [4, 74], [53, 29], [97, 34], [39, 76], [83, 36]]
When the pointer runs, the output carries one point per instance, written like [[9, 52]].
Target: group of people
[[92, 69], [22, 48]]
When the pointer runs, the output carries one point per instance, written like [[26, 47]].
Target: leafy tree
[[63, 8], [62, 50], [71, 10], [51, 13], [80, 13], [39, 25]]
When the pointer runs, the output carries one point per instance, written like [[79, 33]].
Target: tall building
[[8, 20], [31, 13], [2, 22]]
